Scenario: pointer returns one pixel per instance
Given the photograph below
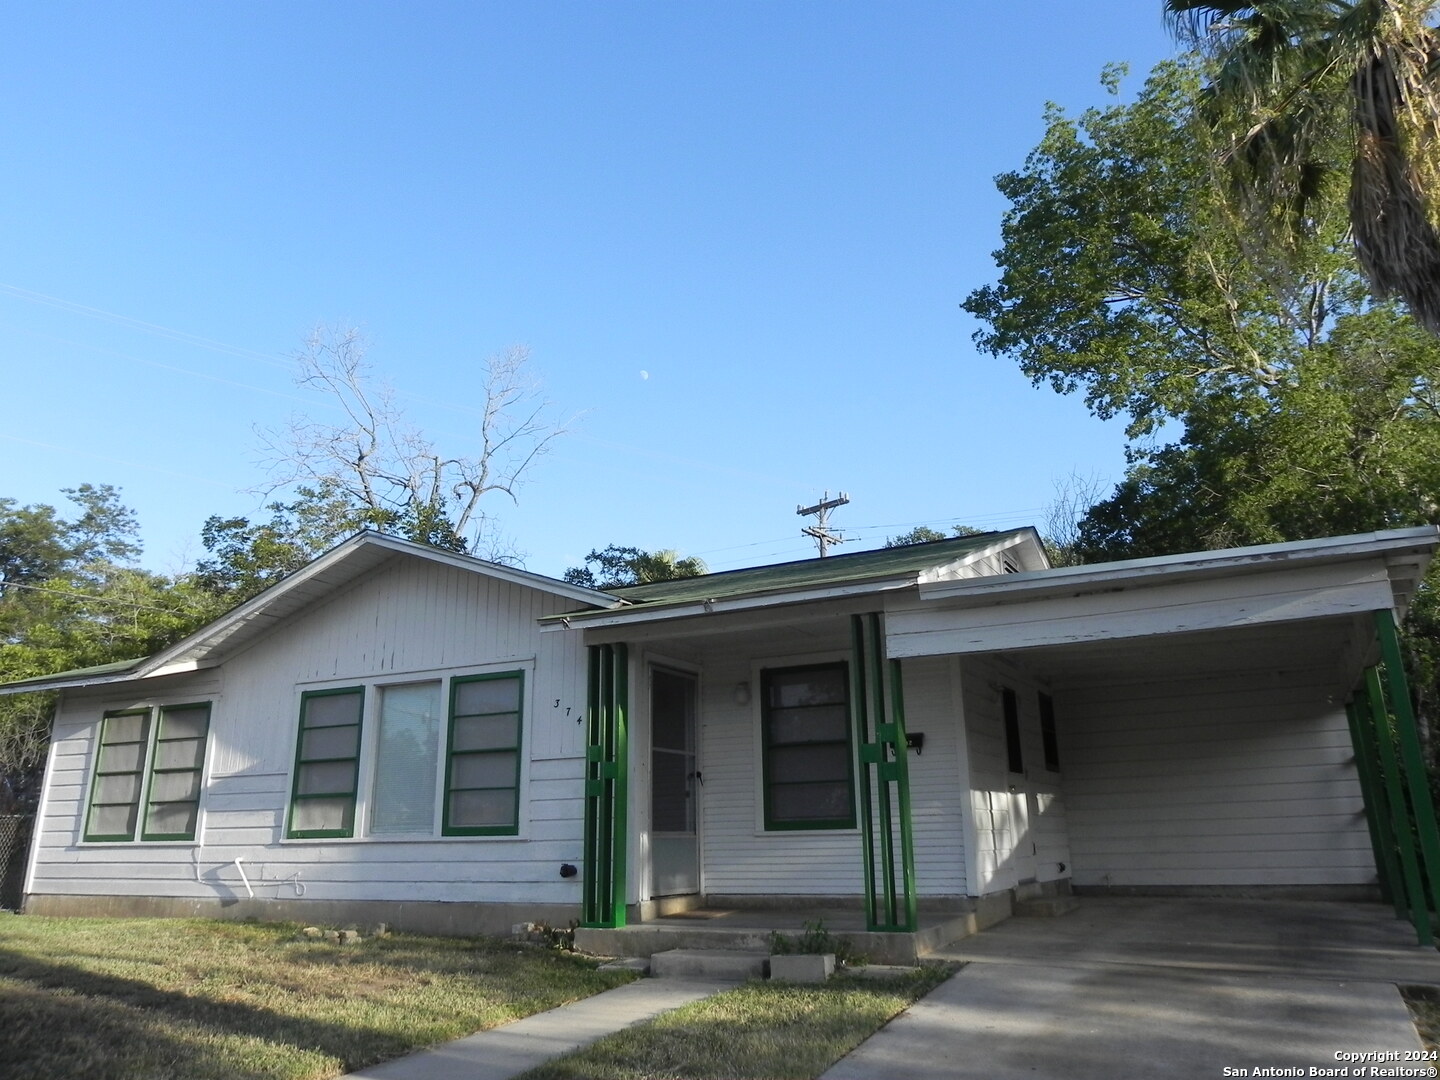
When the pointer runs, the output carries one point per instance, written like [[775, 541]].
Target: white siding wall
[[411, 618], [740, 858], [1214, 782]]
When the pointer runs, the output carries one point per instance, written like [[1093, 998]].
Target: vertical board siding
[[1239, 781], [411, 617]]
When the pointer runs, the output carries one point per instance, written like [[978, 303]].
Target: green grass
[[191, 999], [760, 1030]]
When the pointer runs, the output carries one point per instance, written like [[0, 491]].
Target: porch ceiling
[[1335, 648]]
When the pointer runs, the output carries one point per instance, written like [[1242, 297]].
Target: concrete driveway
[[1165, 988]]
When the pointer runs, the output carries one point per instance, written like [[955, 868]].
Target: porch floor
[[750, 928]]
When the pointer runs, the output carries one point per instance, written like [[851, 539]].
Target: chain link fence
[[14, 846]]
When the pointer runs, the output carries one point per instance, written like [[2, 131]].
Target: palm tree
[[1299, 86]]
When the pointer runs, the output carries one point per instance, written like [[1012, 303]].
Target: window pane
[[327, 710], [481, 809], [821, 723], [403, 800], [170, 787], [799, 764], [112, 820], [123, 729], [327, 777], [187, 723], [172, 819], [330, 742], [813, 686], [124, 788], [810, 802], [327, 815], [485, 732], [487, 696], [180, 754], [670, 802], [127, 757], [483, 770]]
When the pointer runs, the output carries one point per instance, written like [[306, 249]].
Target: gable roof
[[348, 561], [804, 579]]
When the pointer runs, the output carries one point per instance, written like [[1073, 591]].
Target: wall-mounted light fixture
[[742, 693], [915, 740]]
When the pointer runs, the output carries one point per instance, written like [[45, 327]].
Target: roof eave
[[1140, 572]]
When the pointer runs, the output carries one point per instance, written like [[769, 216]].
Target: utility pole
[[820, 531]]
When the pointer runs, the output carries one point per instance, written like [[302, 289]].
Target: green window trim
[[311, 764], [110, 773], [140, 768], [167, 736], [773, 745], [488, 757]]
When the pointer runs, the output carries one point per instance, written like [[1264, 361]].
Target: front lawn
[[192, 999], [759, 1031]]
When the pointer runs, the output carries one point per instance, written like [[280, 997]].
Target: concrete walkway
[[1175, 988], [513, 1048]]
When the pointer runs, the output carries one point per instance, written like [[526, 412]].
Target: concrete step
[[709, 964], [1046, 907]]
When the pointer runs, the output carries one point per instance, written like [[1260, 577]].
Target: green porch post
[[606, 769], [884, 780]]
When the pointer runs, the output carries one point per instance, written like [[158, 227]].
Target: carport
[[1224, 720], [1176, 987]]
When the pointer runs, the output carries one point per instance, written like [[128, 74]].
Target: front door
[[674, 785]]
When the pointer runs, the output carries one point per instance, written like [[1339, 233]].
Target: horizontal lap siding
[[409, 618], [740, 858], [936, 794], [1213, 782]]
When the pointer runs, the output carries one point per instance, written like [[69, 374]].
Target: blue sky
[[772, 209]]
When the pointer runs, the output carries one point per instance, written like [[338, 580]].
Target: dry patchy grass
[[190, 999], [760, 1030]]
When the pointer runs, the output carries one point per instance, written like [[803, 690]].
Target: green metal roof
[[115, 667], [808, 573]]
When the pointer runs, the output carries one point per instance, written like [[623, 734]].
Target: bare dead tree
[[1074, 495], [385, 470]]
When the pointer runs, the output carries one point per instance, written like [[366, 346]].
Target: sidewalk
[[511, 1049]]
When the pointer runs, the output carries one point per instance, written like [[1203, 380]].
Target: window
[[1047, 733], [1015, 759], [173, 806], [389, 760], [482, 775], [152, 763], [327, 763], [808, 771]]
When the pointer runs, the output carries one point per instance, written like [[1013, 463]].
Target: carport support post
[[1400, 820], [1416, 775], [1377, 809]]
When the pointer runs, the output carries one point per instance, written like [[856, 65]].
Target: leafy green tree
[[1305, 93], [615, 566], [69, 597], [924, 534], [1267, 400]]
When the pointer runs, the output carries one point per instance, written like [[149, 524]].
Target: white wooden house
[[402, 734]]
